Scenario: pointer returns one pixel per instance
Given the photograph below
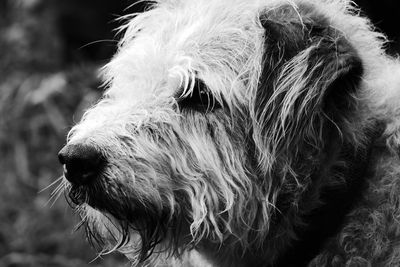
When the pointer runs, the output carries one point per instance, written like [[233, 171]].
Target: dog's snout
[[82, 163]]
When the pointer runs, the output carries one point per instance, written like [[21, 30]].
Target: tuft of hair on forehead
[[164, 47], [219, 40]]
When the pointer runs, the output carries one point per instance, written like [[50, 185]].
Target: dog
[[243, 133]]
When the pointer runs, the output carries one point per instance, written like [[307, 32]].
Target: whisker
[[55, 194], [52, 184], [98, 41], [99, 256], [81, 223]]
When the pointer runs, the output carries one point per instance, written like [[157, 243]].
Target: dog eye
[[200, 98]]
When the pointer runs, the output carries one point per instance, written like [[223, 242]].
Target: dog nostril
[[82, 163]]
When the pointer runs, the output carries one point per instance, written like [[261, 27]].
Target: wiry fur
[[291, 126]]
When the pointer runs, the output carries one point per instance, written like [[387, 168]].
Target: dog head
[[223, 126]]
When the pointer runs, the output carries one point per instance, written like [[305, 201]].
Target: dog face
[[223, 123]]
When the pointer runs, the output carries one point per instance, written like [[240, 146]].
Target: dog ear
[[310, 75]]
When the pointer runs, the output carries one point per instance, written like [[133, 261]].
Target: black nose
[[82, 163]]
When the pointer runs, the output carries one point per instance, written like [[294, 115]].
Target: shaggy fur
[[246, 133]]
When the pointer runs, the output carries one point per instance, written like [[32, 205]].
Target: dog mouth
[[92, 194], [105, 197], [84, 193], [78, 196]]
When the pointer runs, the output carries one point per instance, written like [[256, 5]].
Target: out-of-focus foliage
[[42, 91]]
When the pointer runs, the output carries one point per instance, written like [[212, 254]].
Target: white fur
[[220, 41]]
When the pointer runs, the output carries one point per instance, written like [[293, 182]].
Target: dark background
[[50, 51]]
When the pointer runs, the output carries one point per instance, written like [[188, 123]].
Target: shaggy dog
[[243, 133]]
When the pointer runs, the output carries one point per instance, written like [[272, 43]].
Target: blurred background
[[50, 51]]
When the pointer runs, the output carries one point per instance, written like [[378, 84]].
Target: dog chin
[[103, 228]]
